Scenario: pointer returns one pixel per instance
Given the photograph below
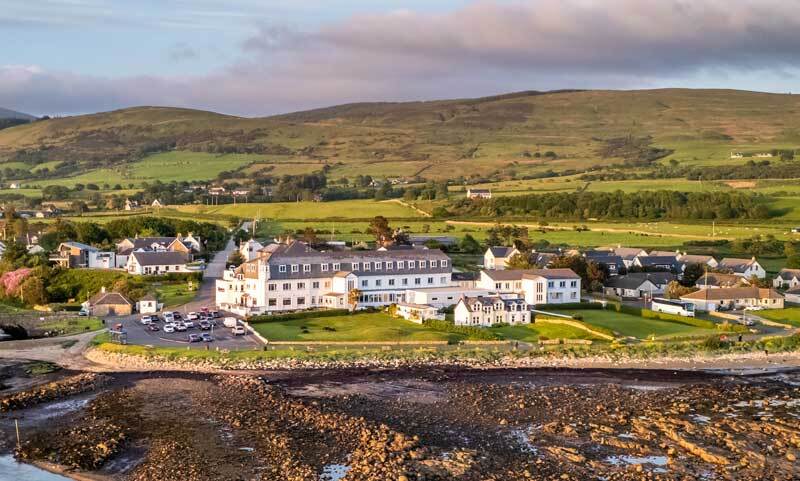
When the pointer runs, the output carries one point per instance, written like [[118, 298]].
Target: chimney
[[103, 289]]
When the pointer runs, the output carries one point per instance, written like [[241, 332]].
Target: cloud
[[181, 51], [486, 47]]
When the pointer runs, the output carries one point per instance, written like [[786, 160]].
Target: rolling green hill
[[510, 136]]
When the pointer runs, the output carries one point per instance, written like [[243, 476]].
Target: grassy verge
[[72, 325], [790, 315], [711, 346]]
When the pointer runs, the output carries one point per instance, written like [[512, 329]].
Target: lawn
[[72, 325], [343, 209], [532, 332], [790, 315], [175, 294], [363, 327], [639, 327]]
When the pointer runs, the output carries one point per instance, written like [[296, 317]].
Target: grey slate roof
[[636, 279], [492, 300], [789, 274], [81, 245], [518, 274], [109, 298], [501, 251], [660, 261], [299, 254], [169, 258]]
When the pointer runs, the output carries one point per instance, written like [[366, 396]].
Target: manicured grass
[[176, 294], [639, 327], [344, 209], [532, 332], [373, 326], [790, 315], [72, 325]]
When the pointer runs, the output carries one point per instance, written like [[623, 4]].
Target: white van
[[230, 322]]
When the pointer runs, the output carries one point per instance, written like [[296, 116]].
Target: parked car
[[194, 338], [230, 322], [169, 327], [189, 324], [206, 337], [193, 316], [216, 314], [180, 327], [147, 320], [169, 317], [152, 327], [83, 312], [754, 308], [239, 331], [205, 325]]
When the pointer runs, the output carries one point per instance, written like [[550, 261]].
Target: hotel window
[[271, 287], [391, 282], [272, 302], [287, 302], [315, 285], [573, 284], [337, 266], [367, 266], [301, 285], [327, 284], [389, 266], [306, 267], [301, 301], [377, 266], [422, 264], [443, 280], [417, 281], [281, 268], [412, 264], [355, 266], [377, 282], [574, 295], [405, 281], [323, 267], [550, 284], [364, 283], [287, 286], [295, 268], [430, 280], [433, 263], [562, 284]]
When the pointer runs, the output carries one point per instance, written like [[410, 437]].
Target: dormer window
[[337, 266], [444, 263], [295, 268], [422, 264], [324, 267], [433, 264], [306, 267], [411, 264], [401, 264], [356, 266], [281, 268], [377, 266], [389, 266], [367, 266]]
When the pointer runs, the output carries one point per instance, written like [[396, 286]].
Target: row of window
[[539, 285], [365, 283], [365, 266]]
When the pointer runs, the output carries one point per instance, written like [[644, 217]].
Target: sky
[[263, 57]]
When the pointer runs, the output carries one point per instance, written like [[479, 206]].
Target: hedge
[[298, 315], [472, 333], [569, 306]]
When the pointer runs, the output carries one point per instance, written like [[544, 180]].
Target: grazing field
[[790, 315], [639, 327], [343, 209], [364, 327]]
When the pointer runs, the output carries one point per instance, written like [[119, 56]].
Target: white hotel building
[[537, 286], [295, 277]]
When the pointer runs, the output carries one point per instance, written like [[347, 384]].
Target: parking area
[[223, 337]]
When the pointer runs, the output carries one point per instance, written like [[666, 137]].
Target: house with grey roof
[[787, 279], [157, 263], [497, 257], [743, 267], [638, 284], [713, 280], [486, 311], [664, 263]]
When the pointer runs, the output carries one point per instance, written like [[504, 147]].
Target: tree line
[[619, 205]]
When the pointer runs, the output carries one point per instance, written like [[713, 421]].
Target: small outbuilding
[[147, 304], [109, 304]]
